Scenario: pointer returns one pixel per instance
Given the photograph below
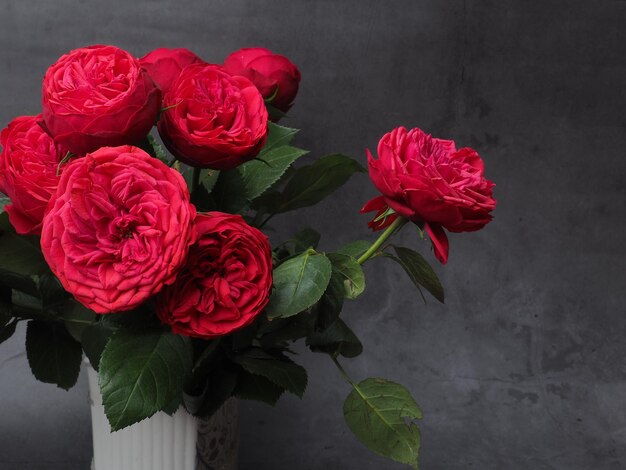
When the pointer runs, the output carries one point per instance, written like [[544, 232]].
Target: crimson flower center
[[123, 226]]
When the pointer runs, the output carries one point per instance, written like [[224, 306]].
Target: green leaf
[[420, 272], [228, 192], [51, 291], [350, 271], [298, 283], [218, 388], [77, 318], [19, 254], [259, 174], [205, 362], [7, 330], [94, 339], [306, 238], [380, 413], [157, 150], [312, 183], [28, 304], [282, 372], [202, 197], [251, 179], [53, 355], [338, 338], [330, 305], [279, 332], [255, 387], [208, 179], [254, 177], [278, 136], [22, 283], [274, 113], [6, 305], [355, 248], [141, 373]]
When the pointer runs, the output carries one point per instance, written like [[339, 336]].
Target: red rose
[[98, 96], [429, 181], [28, 172], [214, 120], [164, 65], [118, 228], [274, 75], [226, 282]]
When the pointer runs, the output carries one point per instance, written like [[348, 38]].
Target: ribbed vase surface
[[161, 442]]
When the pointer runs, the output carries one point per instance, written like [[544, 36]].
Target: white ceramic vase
[[162, 442]]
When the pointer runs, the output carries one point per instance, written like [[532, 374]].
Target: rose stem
[[399, 222], [341, 369]]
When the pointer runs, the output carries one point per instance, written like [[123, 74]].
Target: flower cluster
[[133, 249], [116, 224]]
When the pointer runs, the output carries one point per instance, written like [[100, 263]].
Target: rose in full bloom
[[164, 65], [213, 119], [274, 75], [226, 282], [98, 96], [430, 182], [118, 228], [28, 172]]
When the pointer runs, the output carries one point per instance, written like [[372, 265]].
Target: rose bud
[[28, 172], [164, 65], [226, 282], [98, 96], [212, 119], [430, 182], [274, 75], [118, 228]]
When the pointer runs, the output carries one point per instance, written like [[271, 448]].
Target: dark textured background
[[524, 367]]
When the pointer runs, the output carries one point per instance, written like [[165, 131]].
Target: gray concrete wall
[[524, 367]]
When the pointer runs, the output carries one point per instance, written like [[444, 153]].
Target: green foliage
[[51, 291], [306, 238], [152, 147], [203, 197], [350, 271], [53, 355], [355, 248], [94, 339], [256, 387], [300, 242], [330, 305], [6, 305], [277, 333], [7, 330], [142, 373], [7, 322], [420, 272], [20, 255], [337, 339], [281, 371], [298, 284], [77, 318], [310, 184], [218, 386], [380, 413], [237, 187]]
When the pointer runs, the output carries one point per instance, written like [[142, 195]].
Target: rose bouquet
[[154, 265]]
